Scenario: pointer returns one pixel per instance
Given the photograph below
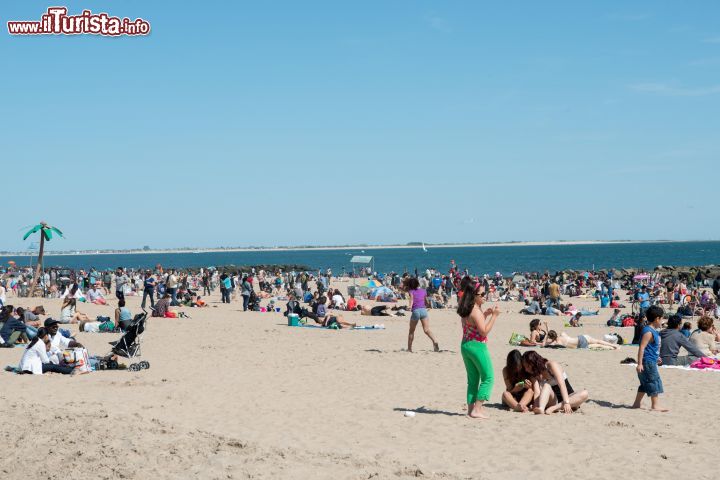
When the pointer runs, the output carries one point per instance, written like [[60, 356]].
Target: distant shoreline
[[348, 247]]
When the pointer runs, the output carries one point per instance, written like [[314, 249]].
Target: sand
[[241, 395]]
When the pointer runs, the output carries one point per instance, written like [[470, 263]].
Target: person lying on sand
[[581, 341], [329, 321], [552, 391], [378, 311]]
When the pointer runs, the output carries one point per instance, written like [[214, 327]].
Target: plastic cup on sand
[[409, 414]]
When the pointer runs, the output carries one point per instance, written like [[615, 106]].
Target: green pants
[[479, 371]]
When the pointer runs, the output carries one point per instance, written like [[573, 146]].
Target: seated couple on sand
[[534, 382]]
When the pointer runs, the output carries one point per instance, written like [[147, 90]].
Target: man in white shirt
[[58, 342], [120, 280]]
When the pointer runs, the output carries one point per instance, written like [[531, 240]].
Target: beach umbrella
[[641, 276], [382, 292], [46, 234], [370, 284]]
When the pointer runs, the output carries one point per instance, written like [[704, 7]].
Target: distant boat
[[423, 247]]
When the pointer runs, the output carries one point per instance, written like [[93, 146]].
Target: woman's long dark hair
[[467, 302], [412, 283], [40, 334], [514, 366], [6, 312], [536, 362]]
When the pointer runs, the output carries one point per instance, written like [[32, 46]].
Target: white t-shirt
[[66, 314], [58, 343], [33, 358], [94, 294], [338, 300]]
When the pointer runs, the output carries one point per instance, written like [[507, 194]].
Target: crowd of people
[[532, 382]]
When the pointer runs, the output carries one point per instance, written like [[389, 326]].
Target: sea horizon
[[482, 258], [409, 245]]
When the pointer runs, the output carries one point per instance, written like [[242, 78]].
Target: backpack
[[628, 322]]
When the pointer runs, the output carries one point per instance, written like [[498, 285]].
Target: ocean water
[[505, 259]]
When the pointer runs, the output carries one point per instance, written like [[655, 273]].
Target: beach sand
[[242, 395]]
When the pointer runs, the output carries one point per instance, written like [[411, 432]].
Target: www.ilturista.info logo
[[57, 22]]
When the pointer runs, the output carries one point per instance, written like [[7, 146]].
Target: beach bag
[[628, 322], [171, 314], [517, 338], [77, 358]]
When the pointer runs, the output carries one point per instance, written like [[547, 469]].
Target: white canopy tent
[[361, 260]]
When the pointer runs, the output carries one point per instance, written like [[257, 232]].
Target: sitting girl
[[552, 391], [518, 392], [537, 333], [68, 312], [123, 317]]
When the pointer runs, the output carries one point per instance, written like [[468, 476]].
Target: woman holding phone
[[476, 324]]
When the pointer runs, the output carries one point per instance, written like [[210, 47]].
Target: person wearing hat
[[58, 342]]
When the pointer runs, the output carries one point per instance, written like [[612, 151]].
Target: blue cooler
[[293, 320]]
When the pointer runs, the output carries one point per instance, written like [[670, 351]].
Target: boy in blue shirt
[[648, 354]]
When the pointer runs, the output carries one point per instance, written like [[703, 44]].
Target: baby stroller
[[130, 344]]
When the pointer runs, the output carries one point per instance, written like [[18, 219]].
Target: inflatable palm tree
[[46, 233]]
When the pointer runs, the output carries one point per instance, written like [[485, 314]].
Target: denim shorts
[[419, 314], [650, 381]]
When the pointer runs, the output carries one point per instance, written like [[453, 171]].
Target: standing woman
[[419, 312], [224, 284], [245, 290], [476, 324]]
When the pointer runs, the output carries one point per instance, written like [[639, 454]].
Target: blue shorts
[[650, 381], [419, 314]]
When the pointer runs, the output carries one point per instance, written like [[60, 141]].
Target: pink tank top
[[471, 334]]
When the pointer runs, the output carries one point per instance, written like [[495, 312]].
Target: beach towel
[[706, 363], [516, 339], [359, 327]]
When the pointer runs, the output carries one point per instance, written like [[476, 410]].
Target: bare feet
[[436, 347], [659, 409], [636, 406], [478, 413], [553, 409]]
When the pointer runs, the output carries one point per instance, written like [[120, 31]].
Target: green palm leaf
[[31, 231], [56, 230], [47, 233]]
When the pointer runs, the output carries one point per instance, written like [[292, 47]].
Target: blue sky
[[325, 122]]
